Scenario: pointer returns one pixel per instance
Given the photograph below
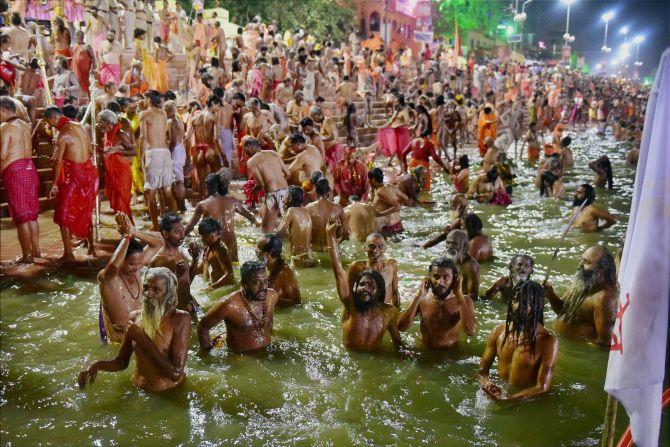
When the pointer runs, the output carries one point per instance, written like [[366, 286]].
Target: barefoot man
[[526, 351], [19, 178], [222, 207], [176, 141], [365, 315], [120, 281], [75, 184], [159, 174], [210, 156], [281, 276], [443, 308], [248, 313], [588, 309], [158, 336], [270, 174]]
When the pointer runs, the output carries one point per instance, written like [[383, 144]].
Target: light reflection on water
[[306, 389]]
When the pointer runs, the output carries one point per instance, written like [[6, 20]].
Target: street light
[[606, 18], [638, 40], [624, 31], [567, 37]]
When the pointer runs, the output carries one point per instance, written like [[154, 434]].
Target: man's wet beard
[[364, 306], [441, 292], [151, 316], [583, 283]]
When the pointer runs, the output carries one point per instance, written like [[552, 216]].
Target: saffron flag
[[637, 356], [457, 40]]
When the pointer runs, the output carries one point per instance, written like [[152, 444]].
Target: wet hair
[[297, 138], [209, 226], [306, 122], [322, 187], [492, 175], [517, 256], [565, 142], [519, 320], [7, 104], [213, 99], [16, 18], [473, 225], [607, 164], [296, 196], [376, 174], [213, 184], [71, 111], [108, 116], [273, 246], [590, 194], [251, 142], [315, 177], [379, 282], [138, 33], [439, 100], [444, 262], [168, 220], [547, 180], [464, 161], [114, 107], [249, 269], [214, 61], [239, 96], [134, 247], [52, 112], [154, 97]]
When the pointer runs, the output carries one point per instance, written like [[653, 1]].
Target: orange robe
[[487, 127], [81, 65]]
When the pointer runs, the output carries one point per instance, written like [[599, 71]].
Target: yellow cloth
[[161, 77]]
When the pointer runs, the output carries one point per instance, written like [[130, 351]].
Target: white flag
[[637, 357]]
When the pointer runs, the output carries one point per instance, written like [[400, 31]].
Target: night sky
[[650, 18]]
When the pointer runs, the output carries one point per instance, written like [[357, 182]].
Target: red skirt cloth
[[390, 230], [77, 191], [392, 140], [118, 183], [334, 154], [21, 189]]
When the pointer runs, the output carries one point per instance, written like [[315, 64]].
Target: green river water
[[307, 389]]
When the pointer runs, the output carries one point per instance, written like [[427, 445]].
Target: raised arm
[[407, 317], [343, 290], [466, 308]]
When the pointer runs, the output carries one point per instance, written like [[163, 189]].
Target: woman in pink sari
[[393, 136]]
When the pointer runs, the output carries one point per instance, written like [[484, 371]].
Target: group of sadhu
[[265, 120]]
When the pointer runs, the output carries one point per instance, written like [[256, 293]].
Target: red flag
[[457, 40]]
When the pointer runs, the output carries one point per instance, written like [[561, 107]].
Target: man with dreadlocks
[[443, 308], [588, 309], [158, 335], [520, 267], [365, 315], [526, 351], [588, 221], [603, 169], [248, 313]]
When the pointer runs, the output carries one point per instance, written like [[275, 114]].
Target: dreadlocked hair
[[520, 321]]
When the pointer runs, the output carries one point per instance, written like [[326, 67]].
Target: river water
[[307, 389]]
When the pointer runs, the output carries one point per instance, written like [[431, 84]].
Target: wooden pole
[[93, 92], [42, 64], [610, 422]]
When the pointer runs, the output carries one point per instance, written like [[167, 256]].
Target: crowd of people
[[253, 107]]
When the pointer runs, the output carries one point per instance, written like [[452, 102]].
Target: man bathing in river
[[375, 247], [386, 202], [215, 256], [526, 351], [270, 173], [443, 308], [458, 210], [281, 277], [321, 212], [588, 309], [247, 313], [520, 268], [222, 207], [120, 281], [157, 334], [360, 219], [297, 227], [588, 221], [19, 178], [365, 316]]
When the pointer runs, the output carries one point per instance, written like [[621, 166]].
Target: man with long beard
[[520, 268], [526, 351], [375, 247], [443, 308], [158, 335], [365, 316], [248, 313], [457, 250], [588, 309]]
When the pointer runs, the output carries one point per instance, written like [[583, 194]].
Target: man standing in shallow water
[[588, 221], [365, 316], [158, 335], [248, 313], [526, 351], [443, 308], [375, 247]]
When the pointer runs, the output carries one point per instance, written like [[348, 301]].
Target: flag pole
[[91, 108], [609, 426]]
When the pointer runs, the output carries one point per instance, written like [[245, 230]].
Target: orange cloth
[[81, 65], [487, 127], [414, 162], [118, 183], [161, 80], [129, 80], [77, 192]]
